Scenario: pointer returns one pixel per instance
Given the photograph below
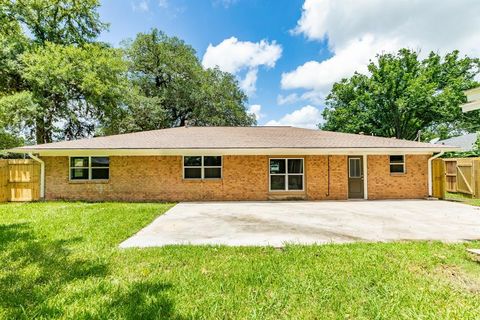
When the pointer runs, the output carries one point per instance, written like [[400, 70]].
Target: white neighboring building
[[473, 100]]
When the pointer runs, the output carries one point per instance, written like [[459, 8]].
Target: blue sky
[[287, 54]]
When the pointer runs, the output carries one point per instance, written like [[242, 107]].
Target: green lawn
[[61, 260], [462, 198]]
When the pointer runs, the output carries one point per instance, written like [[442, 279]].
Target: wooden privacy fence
[[19, 180], [438, 179], [462, 175]]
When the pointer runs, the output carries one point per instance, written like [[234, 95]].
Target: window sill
[[103, 181], [398, 174], [202, 180]]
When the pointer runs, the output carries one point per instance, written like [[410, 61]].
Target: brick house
[[235, 163]]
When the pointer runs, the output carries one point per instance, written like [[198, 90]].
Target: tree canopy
[[170, 86], [57, 21], [58, 82], [73, 88], [404, 95]]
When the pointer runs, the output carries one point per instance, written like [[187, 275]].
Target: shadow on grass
[[35, 269], [142, 300]]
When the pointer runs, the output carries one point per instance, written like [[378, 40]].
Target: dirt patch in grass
[[459, 278]]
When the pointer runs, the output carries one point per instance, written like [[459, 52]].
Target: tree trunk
[[43, 131], [40, 130]]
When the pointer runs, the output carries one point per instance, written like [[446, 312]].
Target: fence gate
[[438, 178], [462, 175], [451, 175], [19, 180], [465, 181]]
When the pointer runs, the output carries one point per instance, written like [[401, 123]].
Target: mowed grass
[[61, 260], [462, 198]]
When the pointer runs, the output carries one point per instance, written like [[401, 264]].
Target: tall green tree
[[73, 88], [55, 76], [171, 87], [403, 95], [57, 21], [12, 44]]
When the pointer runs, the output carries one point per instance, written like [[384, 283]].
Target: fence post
[[438, 178], [476, 177], [4, 190]]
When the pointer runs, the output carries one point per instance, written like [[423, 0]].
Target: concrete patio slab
[[304, 222]]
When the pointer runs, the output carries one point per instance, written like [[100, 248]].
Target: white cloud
[[140, 6], [314, 97], [248, 83], [320, 75], [256, 109], [306, 117], [289, 99], [357, 30], [234, 56]]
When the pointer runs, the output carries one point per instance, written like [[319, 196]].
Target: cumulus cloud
[[307, 117], [256, 109], [234, 56], [314, 97], [248, 83], [356, 31], [354, 57], [288, 99]]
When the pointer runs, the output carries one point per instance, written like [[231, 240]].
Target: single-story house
[[235, 163]]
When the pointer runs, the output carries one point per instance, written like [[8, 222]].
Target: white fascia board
[[213, 152], [472, 93], [475, 105]]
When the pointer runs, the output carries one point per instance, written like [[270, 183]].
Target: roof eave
[[233, 151]]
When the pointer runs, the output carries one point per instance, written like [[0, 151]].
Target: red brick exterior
[[411, 185], [160, 178]]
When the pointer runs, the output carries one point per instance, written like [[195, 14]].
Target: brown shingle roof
[[233, 138]]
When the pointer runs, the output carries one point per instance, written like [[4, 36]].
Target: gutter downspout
[[42, 175], [430, 183]]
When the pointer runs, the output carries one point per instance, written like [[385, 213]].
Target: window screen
[[354, 168]]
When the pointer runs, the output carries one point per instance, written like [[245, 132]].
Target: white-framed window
[[397, 164], [355, 167], [202, 167], [89, 168], [286, 174]]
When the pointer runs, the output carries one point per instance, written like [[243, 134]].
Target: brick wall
[[412, 184], [318, 184], [160, 178]]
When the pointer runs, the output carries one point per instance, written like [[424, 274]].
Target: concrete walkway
[[277, 223]]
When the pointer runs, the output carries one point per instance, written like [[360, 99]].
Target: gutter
[[430, 182], [42, 175], [230, 151]]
